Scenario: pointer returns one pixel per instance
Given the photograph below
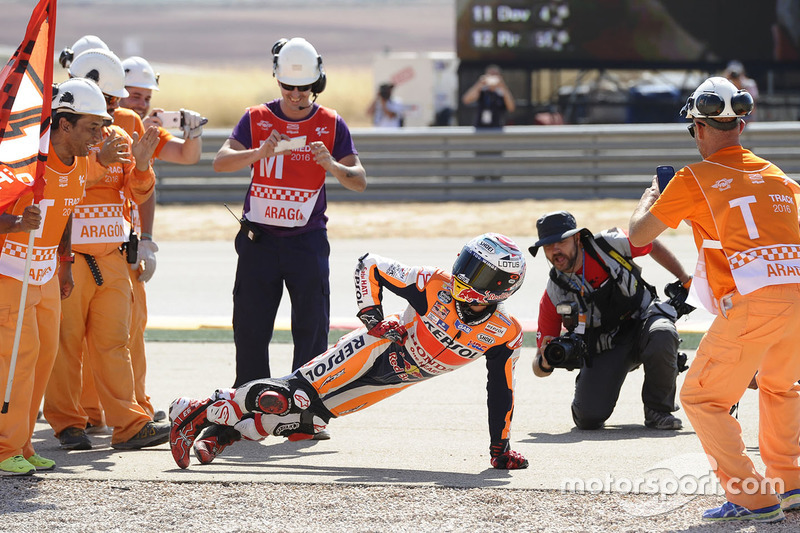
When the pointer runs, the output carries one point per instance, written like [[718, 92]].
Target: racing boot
[[215, 439], [188, 420]]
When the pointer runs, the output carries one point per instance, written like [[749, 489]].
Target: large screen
[[629, 33]]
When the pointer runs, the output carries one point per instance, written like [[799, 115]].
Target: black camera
[[567, 351], [677, 295]]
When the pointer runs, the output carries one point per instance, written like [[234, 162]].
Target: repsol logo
[[452, 345], [334, 359]]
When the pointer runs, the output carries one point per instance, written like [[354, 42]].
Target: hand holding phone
[[664, 173], [170, 120]]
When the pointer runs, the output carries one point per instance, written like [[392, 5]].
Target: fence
[[441, 164]]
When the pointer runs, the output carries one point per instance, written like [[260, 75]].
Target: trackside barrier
[[447, 164]]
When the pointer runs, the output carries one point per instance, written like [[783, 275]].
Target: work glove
[[677, 293], [504, 458], [192, 123], [147, 255]]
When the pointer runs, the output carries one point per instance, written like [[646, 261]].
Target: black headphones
[[316, 87]]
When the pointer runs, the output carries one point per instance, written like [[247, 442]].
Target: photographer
[[385, 111], [618, 318]]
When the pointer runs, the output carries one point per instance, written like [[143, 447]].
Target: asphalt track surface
[[432, 437]]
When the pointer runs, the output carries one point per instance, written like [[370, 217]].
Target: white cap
[[87, 42], [102, 67], [139, 73], [80, 96], [297, 63]]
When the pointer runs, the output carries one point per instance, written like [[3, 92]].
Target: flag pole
[[20, 314]]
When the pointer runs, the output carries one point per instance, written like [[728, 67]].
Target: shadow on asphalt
[[607, 433], [273, 459]]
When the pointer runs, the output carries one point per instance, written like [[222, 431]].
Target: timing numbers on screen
[[551, 39], [488, 39], [482, 13]]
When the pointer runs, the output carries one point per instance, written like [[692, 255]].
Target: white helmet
[[296, 62], [102, 67], [489, 269], [139, 73], [718, 98], [87, 42], [80, 96]]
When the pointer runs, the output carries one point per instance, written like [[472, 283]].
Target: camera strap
[[619, 258]]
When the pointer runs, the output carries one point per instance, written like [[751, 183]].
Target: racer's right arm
[[374, 272]]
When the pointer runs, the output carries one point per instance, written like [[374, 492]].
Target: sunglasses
[[712, 104], [691, 126], [290, 88], [112, 100]]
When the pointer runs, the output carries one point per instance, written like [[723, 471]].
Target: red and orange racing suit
[[362, 369]]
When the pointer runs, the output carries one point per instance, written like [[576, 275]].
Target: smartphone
[[664, 173], [170, 120]]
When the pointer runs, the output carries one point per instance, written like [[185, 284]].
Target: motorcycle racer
[[451, 320]]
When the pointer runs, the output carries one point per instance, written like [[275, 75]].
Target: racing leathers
[[431, 337]]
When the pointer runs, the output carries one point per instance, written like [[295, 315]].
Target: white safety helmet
[[139, 73], [489, 269], [102, 67], [296, 62], [87, 42], [80, 96], [718, 98]]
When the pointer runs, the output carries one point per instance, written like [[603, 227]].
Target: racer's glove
[[677, 293], [147, 255], [192, 123], [370, 316], [377, 326], [390, 329], [504, 458]]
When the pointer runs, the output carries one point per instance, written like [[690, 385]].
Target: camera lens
[[555, 353]]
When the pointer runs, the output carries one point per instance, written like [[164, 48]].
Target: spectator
[[385, 110], [743, 213], [735, 73], [494, 101]]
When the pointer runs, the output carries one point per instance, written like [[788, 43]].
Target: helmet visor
[[480, 275]]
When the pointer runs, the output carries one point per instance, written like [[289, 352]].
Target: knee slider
[[256, 389]]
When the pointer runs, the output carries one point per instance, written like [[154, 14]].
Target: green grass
[[690, 340]]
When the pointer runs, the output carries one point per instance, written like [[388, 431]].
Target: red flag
[[25, 98]]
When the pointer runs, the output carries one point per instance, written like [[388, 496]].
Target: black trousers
[[652, 344], [265, 265]]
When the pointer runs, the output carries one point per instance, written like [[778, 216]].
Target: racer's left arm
[[501, 361], [374, 273]]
